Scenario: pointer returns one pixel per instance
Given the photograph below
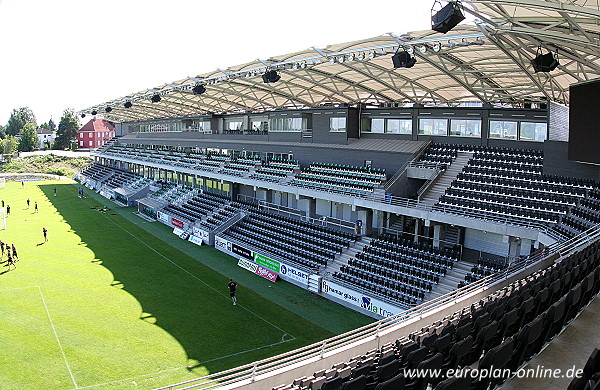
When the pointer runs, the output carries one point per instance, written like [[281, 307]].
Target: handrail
[[249, 372], [403, 168], [425, 187]]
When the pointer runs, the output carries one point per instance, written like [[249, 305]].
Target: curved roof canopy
[[488, 61]]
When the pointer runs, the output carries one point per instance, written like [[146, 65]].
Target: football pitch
[[112, 301]]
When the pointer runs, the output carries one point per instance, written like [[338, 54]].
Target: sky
[[59, 54]]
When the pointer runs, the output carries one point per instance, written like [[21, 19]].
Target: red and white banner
[[177, 223], [266, 273]]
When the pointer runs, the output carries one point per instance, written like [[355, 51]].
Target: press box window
[[530, 131], [503, 129], [465, 128], [433, 126], [337, 124]]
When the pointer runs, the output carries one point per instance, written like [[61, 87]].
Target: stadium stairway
[[450, 281], [342, 259], [445, 180]]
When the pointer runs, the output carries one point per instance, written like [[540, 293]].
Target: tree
[[8, 145], [2, 132], [29, 139], [67, 130], [46, 126], [18, 118], [51, 125]]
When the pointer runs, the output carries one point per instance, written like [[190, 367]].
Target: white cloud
[[76, 53]]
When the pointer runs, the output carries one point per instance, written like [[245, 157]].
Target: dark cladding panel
[[584, 122]]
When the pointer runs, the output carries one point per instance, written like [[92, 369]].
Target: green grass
[[114, 302]]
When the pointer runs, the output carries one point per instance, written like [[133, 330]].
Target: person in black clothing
[[54, 191], [2, 247], [10, 262], [7, 210], [28, 201], [14, 252], [232, 287], [35, 207], [45, 234]]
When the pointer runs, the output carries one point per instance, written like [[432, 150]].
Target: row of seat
[[504, 331]]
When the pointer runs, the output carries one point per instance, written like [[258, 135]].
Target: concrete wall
[[556, 162]]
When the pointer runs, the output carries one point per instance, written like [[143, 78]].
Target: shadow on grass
[[195, 310]]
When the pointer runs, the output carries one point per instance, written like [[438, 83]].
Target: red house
[[94, 134]]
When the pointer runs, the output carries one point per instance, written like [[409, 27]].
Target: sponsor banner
[[265, 273], [292, 273], [203, 234], [247, 265], [273, 265], [365, 302], [224, 246], [162, 216], [195, 239], [241, 251], [178, 231], [177, 223]]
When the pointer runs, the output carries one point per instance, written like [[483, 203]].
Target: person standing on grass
[[2, 247], [232, 287], [28, 201], [10, 262], [45, 234], [7, 210], [22, 184], [54, 191], [14, 252], [35, 207]]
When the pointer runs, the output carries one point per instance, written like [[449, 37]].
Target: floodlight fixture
[[545, 62], [199, 89], [94, 112], [448, 17], [403, 59], [436, 47], [271, 76], [156, 98], [128, 105], [83, 115], [450, 44]]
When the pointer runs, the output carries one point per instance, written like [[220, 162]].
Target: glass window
[[503, 129], [465, 127], [287, 124], [261, 125], [531, 131], [377, 125], [399, 126], [337, 124], [433, 126], [234, 125]]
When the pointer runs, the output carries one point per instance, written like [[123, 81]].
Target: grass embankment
[[49, 163]]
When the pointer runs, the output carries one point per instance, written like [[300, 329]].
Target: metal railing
[[248, 373], [415, 204], [425, 187], [392, 181]]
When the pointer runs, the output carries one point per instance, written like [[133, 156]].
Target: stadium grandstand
[[445, 183]]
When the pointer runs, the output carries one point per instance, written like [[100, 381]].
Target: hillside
[[49, 163]]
